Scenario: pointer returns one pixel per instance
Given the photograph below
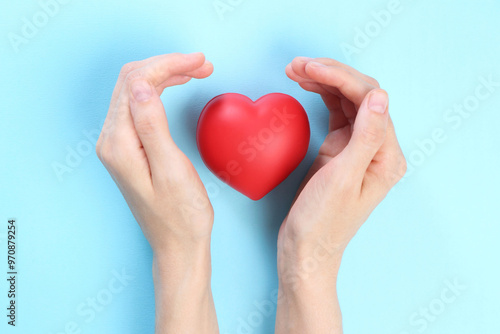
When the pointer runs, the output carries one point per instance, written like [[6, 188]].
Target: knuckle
[[390, 179], [396, 172], [110, 153], [133, 75], [98, 147], [115, 156], [373, 81], [402, 167], [106, 154], [129, 67]]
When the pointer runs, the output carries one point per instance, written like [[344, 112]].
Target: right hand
[[359, 161], [357, 164]]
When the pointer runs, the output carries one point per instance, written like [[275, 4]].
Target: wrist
[[309, 252], [308, 264], [183, 294], [183, 264], [307, 294]]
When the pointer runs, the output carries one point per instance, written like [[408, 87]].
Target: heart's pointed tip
[[257, 197]]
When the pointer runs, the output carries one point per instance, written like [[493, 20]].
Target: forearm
[[183, 295], [308, 311], [307, 299], [357, 164]]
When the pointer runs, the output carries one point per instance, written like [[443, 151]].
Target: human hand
[[358, 163], [159, 183], [162, 188]]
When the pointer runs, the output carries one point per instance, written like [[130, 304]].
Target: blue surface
[[438, 227]]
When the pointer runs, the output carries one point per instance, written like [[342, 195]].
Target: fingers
[[199, 69], [123, 136], [166, 66], [323, 75], [388, 167], [161, 72], [338, 118], [313, 87], [290, 72], [205, 70], [373, 154], [341, 87], [150, 123], [173, 81], [349, 85], [126, 69], [200, 73], [368, 135], [296, 69]]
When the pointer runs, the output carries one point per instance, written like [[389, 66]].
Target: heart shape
[[253, 146]]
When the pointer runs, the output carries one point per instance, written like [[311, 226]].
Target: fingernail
[[141, 91], [378, 102], [316, 64]]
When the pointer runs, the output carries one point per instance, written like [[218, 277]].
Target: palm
[[342, 116], [311, 191]]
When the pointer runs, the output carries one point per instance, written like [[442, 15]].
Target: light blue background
[[440, 224]]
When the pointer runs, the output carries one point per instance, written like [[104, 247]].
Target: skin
[[163, 190], [357, 165]]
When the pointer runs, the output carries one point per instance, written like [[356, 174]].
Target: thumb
[[369, 132], [150, 123]]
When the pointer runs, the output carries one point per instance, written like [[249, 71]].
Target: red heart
[[253, 146]]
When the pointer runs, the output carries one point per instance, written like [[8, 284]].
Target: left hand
[[159, 183], [163, 190]]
